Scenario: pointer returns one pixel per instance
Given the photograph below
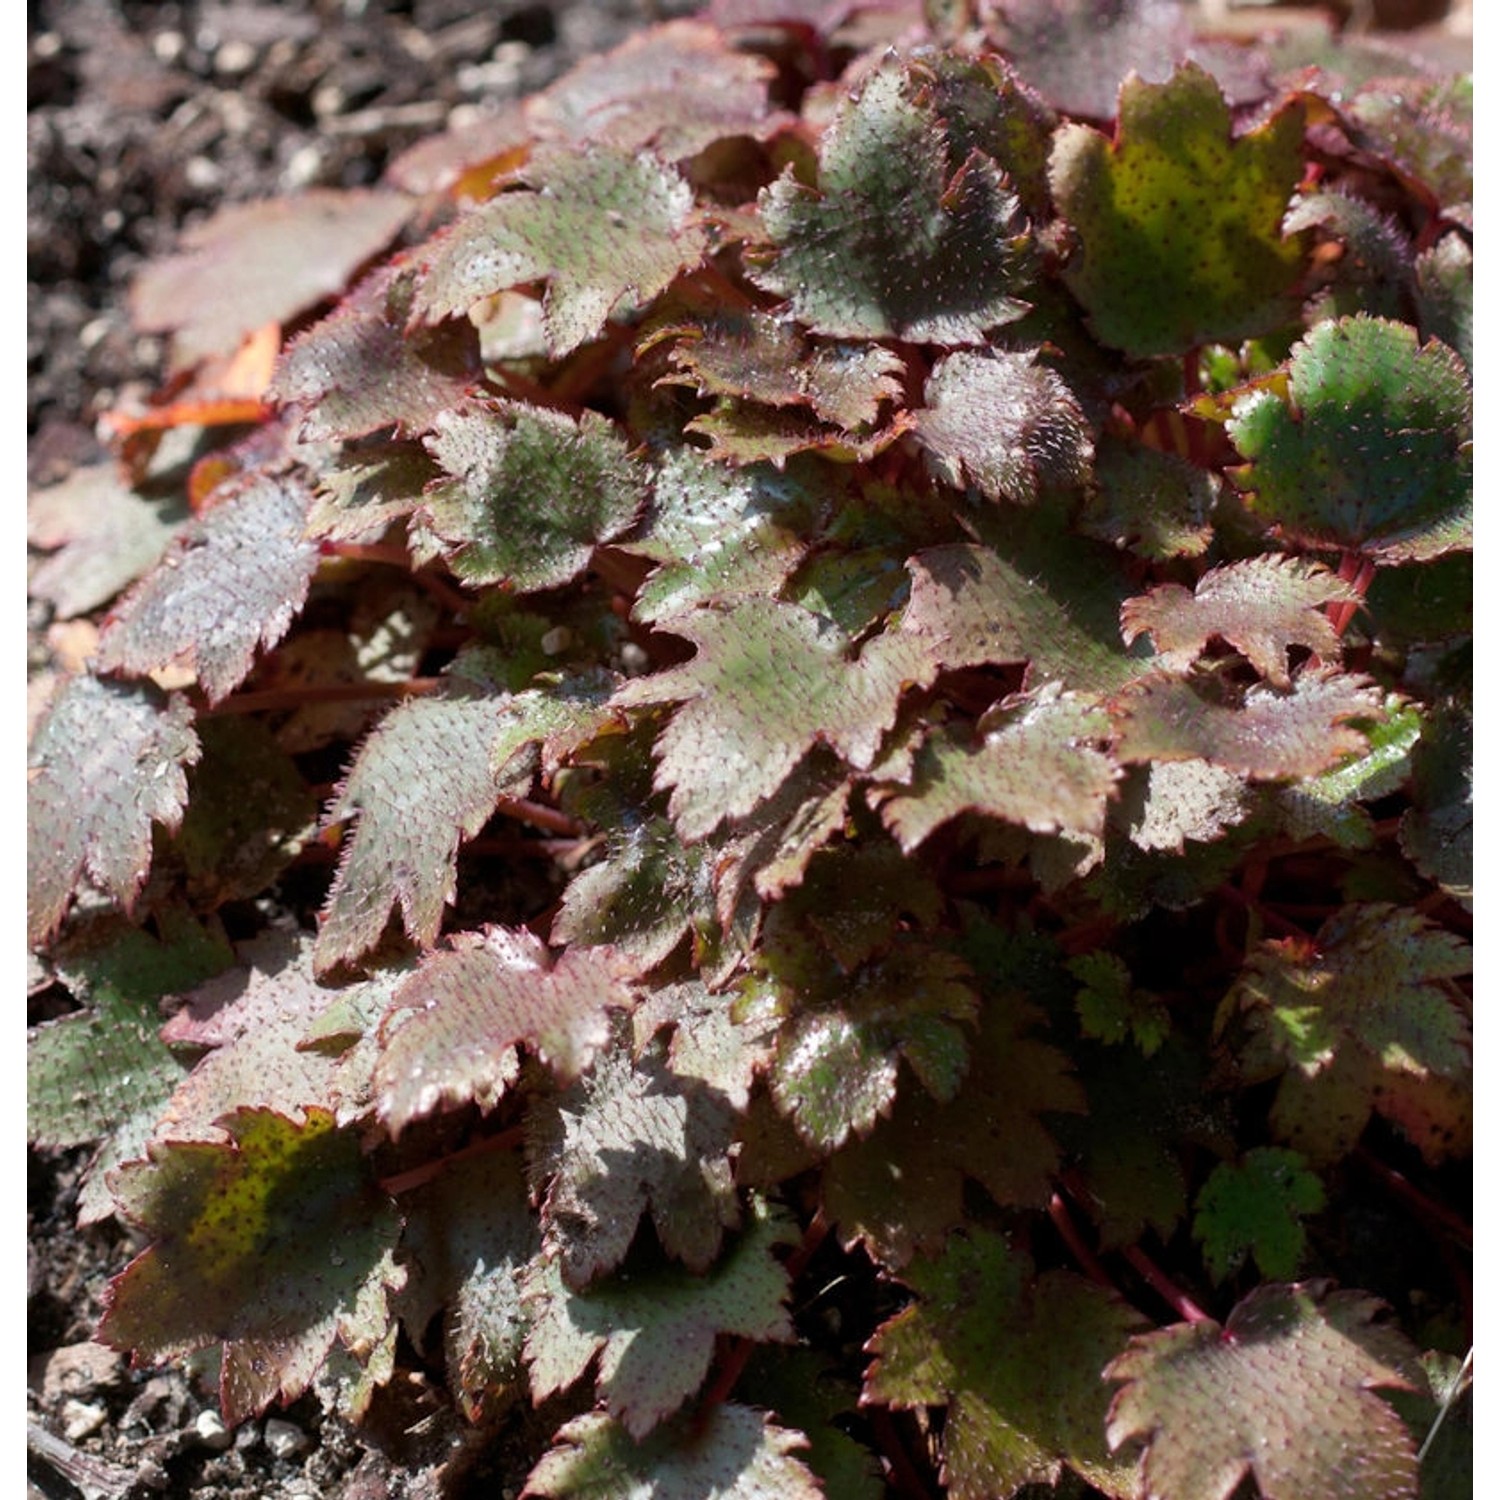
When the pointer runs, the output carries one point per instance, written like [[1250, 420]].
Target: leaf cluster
[[806, 791]]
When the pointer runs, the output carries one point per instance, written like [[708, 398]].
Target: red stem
[[1424, 1207], [539, 815], [1062, 1221], [1173, 1295], [272, 700], [904, 1476], [415, 1177]]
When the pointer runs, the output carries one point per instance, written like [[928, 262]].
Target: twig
[[94, 1478], [415, 1177], [1159, 1282], [904, 1476], [1062, 1221]]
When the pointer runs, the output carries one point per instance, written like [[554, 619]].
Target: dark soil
[[143, 117]]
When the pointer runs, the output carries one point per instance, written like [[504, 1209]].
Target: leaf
[[627, 1136], [1262, 607], [1256, 1206], [1371, 447], [1376, 263], [1012, 1355], [1424, 129], [674, 89], [531, 493], [1178, 223], [281, 257], [102, 536], [428, 778], [232, 580], [1036, 765], [1110, 1008], [103, 1074], [606, 227], [735, 1454], [361, 494], [898, 240], [654, 1331], [1285, 1392], [1369, 1001], [707, 1043], [1004, 424], [273, 1244], [1155, 504], [1437, 830], [1445, 295], [359, 371], [1271, 736], [105, 764], [768, 682], [474, 1002]]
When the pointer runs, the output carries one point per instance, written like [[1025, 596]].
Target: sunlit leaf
[[1255, 1207]]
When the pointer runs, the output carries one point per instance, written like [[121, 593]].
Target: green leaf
[[232, 580], [1370, 449], [1256, 1207], [451, 1031], [532, 493], [735, 1454], [1285, 1391], [1156, 504], [1110, 1008], [606, 227], [1013, 1356], [1445, 295], [768, 682], [900, 239], [629, 1135], [1004, 424], [105, 764], [273, 1243], [654, 1331], [1179, 223], [1262, 607], [1437, 830]]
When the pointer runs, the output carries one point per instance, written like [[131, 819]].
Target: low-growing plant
[[778, 752]]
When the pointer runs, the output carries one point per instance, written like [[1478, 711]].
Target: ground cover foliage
[[777, 757]]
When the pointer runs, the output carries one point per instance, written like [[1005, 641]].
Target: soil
[[143, 117]]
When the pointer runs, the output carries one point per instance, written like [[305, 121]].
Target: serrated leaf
[[606, 227], [282, 257], [674, 88], [470, 1235], [105, 764], [901, 1188], [1013, 1356], [429, 777], [741, 432], [102, 535], [1370, 449], [1262, 607], [451, 1033], [1445, 295], [628, 1136], [1179, 223], [1437, 830], [1110, 1007], [1177, 801], [359, 495], [898, 239], [1270, 736], [654, 1331], [707, 1043], [1376, 263], [736, 1454], [1156, 504], [1285, 1391], [1369, 1001], [768, 682], [1424, 129], [1004, 424], [231, 581], [360, 371], [532, 493], [273, 1244], [1255, 1207], [1037, 764]]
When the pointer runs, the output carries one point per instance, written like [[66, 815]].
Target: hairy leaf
[[231, 581], [359, 371], [360, 495], [1285, 1391], [1369, 449], [273, 1244], [1013, 1356], [707, 1043], [768, 682], [654, 1333], [736, 1454], [1110, 1008], [627, 1136], [1445, 295], [606, 227], [281, 257], [1256, 1207], [1179, 223], [1437, 831], [1156, 504], [474, 1002], [899, 239], [105, 764], [1006, 425], [1262, 607]]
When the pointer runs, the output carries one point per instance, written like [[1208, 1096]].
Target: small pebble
[[212, 1433], [167, 46], [233, 59], [81, 1418], [284, 1440], [202, 174]]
